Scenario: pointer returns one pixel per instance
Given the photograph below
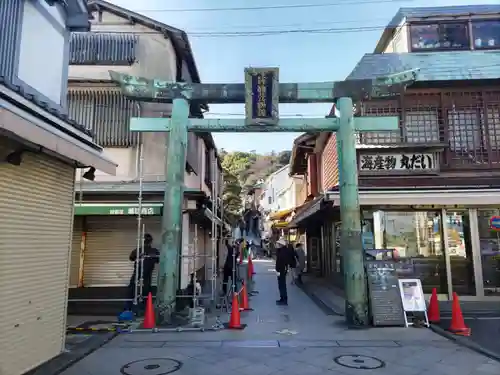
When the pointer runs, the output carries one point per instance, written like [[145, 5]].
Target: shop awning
[[280, 224], [306, 210], [278, 215], [120, 209], [425, 198]]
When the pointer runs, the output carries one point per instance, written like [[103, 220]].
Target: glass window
[[489, 241], [486, 34], [421, 126], [415, 239], [439, 36]]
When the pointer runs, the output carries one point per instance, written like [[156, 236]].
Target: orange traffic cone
[[250, 267], [245, 306], [149, 316], [235, 319], [433, 313], [457, 325]]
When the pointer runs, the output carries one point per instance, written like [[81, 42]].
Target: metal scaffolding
[[197, 254]]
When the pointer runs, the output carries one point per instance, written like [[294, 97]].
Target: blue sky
[[301, 57]]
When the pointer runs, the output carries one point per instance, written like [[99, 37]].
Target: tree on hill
[[242, 171]]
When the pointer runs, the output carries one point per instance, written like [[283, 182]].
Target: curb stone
[[463, 341], [65, 360], [325, 307]]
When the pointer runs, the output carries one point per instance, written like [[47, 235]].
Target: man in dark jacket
[[283, 261], [229, 264], [147, 262]]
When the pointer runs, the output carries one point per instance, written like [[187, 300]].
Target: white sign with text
[[397, 162]]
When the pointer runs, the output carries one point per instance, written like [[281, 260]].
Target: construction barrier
[[93, 330]]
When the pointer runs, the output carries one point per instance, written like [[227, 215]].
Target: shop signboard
[[495, 223], [412, 295], [385, 300], [413, 300], [398, 163], [112, 209]]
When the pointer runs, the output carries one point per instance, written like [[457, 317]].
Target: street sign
[[262, 96], [495, 223]]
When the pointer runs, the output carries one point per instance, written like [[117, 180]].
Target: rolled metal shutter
[[36, 204], [75, 251], [110, 239]]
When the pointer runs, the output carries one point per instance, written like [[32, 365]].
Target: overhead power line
[[270, 7]]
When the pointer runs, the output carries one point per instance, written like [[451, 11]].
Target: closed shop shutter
[[36, 204], [110, 239], [75, 251]]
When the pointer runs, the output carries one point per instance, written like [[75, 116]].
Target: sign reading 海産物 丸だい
[[261, 96]]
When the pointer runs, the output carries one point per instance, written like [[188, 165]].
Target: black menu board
[[385, 300]]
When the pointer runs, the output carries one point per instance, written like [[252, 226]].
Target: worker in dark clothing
[[283, 262], [148, 261], [229, 265]]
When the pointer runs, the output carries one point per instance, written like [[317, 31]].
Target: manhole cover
[[360, 362], [151, 366]]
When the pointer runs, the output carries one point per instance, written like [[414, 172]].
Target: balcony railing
[[467, 124]]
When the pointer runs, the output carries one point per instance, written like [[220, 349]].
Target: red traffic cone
[[245, 306], [235, 319], [433, 313], [149, 316], [457, 325], [250, 267]]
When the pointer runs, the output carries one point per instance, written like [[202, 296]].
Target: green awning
[[120, 209]]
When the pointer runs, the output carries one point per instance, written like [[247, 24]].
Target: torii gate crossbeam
[[262, 94]]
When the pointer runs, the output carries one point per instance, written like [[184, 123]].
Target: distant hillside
[[243, 170], [250, 167]]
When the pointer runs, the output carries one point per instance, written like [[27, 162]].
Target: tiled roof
[[45, 106], [434, 66]]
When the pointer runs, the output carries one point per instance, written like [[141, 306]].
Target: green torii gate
[[262, 94]]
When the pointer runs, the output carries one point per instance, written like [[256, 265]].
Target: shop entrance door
[[458, 251]]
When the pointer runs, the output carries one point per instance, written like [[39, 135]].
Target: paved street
[[298, 339], [485, 331]]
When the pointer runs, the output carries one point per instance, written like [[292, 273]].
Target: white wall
[[399, 41], [42, 51], [156, 58], [273, 186]]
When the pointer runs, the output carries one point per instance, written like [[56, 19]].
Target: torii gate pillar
[[262, 94]]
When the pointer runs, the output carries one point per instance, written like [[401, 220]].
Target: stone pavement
[[298, 339]]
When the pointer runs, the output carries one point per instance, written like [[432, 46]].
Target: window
[[444, 36], [486, 34], [421, 127], [415, 242], [464, 131]]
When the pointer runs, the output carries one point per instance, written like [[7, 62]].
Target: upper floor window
[[442, 36], [486, 34]]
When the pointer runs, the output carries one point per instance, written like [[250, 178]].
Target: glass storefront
[[489, 244], [415, 240], [416, 243], [466, 259]]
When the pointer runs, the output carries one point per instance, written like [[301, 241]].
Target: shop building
[[429, 190], [109, 220], [40, 151]]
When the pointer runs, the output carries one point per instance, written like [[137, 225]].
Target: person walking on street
[[284, 258], [300, 256]]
